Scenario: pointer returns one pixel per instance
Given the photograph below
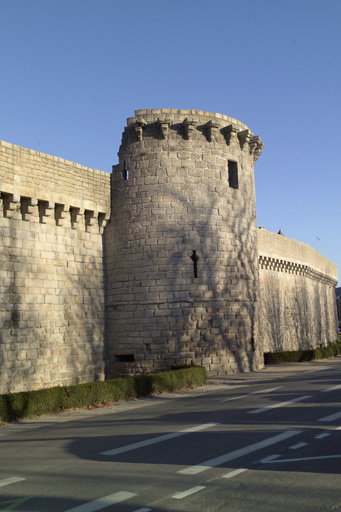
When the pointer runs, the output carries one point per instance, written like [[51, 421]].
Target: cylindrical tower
[[181, 245]]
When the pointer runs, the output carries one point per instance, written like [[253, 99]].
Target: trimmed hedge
[[52, 400], [299, 356]]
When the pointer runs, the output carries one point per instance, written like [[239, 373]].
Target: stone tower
[[181, 245]]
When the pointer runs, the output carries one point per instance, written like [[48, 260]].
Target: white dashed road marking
[[281, 404], [112, 499], [298, 445], [264, 461], [234, 473], [12, 480], [318, 369], [331, 389], [233, 398], [332, 417], [265, 390], [262, 391], [184, 494], [321, 436], [218, 461], [158, 439]]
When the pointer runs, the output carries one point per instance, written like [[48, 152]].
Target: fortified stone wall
[[297, 308], [184, 217], [52, 215], [188, 276]]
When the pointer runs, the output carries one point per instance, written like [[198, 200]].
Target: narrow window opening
[[233, 174], [125, 358], [195, 258], [125, 172]]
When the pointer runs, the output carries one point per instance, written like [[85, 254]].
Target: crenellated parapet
[[292, 267], [40, 188], [49, 212], [285, 255], [189, 125]]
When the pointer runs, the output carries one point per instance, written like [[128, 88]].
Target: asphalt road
[[265, 441]]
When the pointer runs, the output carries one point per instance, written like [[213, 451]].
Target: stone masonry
[[296, 308], [160, 262], [52, 215], [184, 217]]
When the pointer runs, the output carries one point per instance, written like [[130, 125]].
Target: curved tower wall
[[181, 246]]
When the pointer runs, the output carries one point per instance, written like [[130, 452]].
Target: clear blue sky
[[72, 71]]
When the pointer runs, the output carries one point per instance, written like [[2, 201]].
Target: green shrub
[[299, 356], [179, 366], [33, 403]]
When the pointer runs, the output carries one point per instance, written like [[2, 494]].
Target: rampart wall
[[180, 273], [296, 307], [52, 216]]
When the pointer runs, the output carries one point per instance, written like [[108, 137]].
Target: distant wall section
[[296, 307], [52, 216]]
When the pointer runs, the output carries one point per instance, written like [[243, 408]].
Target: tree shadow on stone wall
[[58, 340], [271, 312], [13, 368], [226, 328], [295, 314]]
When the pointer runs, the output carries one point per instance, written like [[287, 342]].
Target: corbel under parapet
[[90, 220], [11, 204], [188, 127], [28, 205], [76, 215], [46, 211], [163, 125], [244, 138], [103, 219], [60, 214], [230, 132], [211, 130], [138, 128], [256, 147]]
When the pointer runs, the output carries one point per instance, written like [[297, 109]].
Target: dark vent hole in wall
[[125, 358], [233, 174]]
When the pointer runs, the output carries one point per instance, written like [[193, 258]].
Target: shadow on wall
[[208, 312], [225, 320], [12, 314], [51, 307], [295, 312]]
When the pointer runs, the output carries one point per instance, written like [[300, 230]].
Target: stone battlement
[[54, 190], [29, 173], [177, 114], [191, 125], [286, 254], [25, 208]]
